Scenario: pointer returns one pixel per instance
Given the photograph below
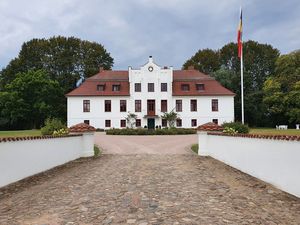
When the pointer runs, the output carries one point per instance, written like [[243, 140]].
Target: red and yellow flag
[[239, 37]]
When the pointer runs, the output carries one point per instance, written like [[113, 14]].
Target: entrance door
[[151, 123]]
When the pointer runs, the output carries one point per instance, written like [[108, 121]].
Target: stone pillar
[[202, 143], [203, 137], [87, 132]]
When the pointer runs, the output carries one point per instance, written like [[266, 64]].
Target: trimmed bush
[[237, 126], [141, 131], [97, 151], [51, 125]]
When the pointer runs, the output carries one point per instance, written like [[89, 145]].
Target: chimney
[[150, 58], [191, 67], [101, 69]]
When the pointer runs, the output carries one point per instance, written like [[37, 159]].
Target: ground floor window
[[123, 123], [107, 123], [179, 123], [138, 123], [163, 122], [87, 122], [194, 122], [215, 121]]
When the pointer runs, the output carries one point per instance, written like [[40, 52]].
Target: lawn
[[274, 131], [20, 133]]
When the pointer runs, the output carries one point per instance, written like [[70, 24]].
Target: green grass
[[273, 131], [195, 148], [20, 133]]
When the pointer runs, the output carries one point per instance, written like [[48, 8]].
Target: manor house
[[105, 99]]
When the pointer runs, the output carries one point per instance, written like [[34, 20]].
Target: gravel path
[[145, 189]]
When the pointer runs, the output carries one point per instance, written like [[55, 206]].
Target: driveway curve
[[153, 144]]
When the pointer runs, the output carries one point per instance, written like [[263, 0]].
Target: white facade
[[149, 73]]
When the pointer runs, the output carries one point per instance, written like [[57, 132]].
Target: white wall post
[[203, 148], [87, 144]]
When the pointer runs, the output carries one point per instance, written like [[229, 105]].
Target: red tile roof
[[106, 77], [81, 127], [210, 127], [193, 77], [109, 78]]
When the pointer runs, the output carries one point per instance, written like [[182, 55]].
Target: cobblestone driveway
[[145, 189]]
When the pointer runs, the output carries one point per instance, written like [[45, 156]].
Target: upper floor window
[[150, 87], [107, 105], [138, 105], [116, 87], [164, 87], [185, 87], [214, 105], [122, 105], [193, 105], [100, 87], [164, 106], [178, 105], [137, 87], [86, 105], [200, 87]]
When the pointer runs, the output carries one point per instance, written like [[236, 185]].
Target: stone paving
[[145, 189]]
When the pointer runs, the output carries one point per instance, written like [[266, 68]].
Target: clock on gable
[[150, 68]]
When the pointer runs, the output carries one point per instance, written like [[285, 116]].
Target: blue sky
[[131, 30]]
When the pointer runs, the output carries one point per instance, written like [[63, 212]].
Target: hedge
[[142, 131]]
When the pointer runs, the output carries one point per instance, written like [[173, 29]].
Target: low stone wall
[[271, 158], [21, 157]]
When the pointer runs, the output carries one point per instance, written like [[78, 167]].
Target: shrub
[[229, 130], [61, 132], [142, 131], [97, 151], [51, 125], [237, 126]]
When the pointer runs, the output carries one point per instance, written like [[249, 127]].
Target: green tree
[[64, 59], [293, 104], [170, 117], [206, 61], [29, 99]]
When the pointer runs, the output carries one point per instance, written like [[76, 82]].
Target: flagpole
[[242, 86]]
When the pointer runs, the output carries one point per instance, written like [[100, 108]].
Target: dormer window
[[200, 87], [100, 87], [185, 87], [116, 87]]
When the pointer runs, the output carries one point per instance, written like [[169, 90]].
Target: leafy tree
[[29, 99], [131, 117], [206, 61], [293, 104], [63, 59], [170, 117]]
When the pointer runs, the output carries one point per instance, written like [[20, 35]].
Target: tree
[[206, 61], [170, 117], [293, 104], [63, 59], [131, 117], [29, 99]]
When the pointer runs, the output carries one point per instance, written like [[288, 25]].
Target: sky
[[131, 30]]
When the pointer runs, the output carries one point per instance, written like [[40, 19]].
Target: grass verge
[[195, 148], [20, 133], [273, 131]]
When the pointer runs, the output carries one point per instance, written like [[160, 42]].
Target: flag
[[239, 37]]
